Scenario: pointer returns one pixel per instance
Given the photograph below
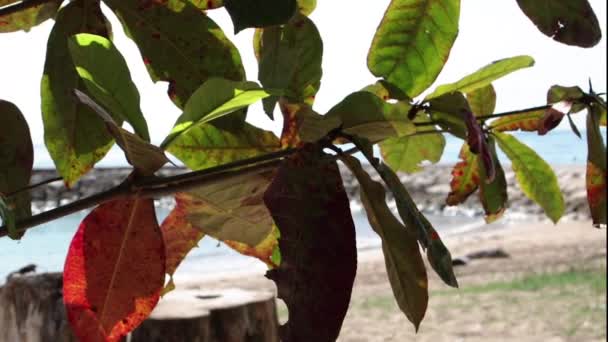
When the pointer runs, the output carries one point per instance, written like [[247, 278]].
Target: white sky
[[489, 30]]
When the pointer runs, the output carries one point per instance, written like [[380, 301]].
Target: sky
[[489, 30]]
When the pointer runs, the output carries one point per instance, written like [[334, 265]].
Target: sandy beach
[[551, 288]]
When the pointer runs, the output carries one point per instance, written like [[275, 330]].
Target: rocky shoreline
[[429, 188]]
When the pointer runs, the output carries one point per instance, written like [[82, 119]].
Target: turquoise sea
[[47, 245]]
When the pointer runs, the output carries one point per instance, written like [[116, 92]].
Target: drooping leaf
[[207, 145], [574, 95], [438, 255], [28, 18], [179, 44], [16, 161], [213, 100], [179, 237], [107, 78], [259, 13], [550, 120], [527, 122], [536, 178], [266, 251], [465, 177], [145, 157], [492, 191], [365, 115], [74, 136], [404, 265], [478, 144], [290, 58], [302, 124], [484, 76], [570, 22], [408, 152], [306, 7], [413, 42], [596, 167], [448, 111], [319, 257], [482, 101], [230, 209], [114, 270]]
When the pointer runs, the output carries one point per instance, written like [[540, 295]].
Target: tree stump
[[220, 316], [32, 310]]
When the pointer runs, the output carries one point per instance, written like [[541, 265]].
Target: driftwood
[[32, 310], [484, 254]]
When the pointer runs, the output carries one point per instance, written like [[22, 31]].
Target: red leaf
[[596, 192], [114, 270], [478, 144], [551, 119], [265, 251], [319, 257], [465, 177]]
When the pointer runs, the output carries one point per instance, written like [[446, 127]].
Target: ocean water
[[47, 245]]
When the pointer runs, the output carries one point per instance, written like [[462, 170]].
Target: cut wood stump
[[32, 310], [228, 315]]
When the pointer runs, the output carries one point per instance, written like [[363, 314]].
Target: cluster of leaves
[[293, 215]]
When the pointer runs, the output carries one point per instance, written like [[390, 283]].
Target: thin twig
[[33, 186], [21, 6]]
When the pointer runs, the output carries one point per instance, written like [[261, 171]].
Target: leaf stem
[[21, 6]]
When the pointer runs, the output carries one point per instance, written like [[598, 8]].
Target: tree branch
[[21, 6]]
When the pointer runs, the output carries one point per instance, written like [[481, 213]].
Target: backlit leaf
[[259, 13], [290, 58], [386, 91], [492, 192], [404, 265], [114, 270], [536, 178], [570, 22], [448, 111], [16, 161], [302, 124], [438, 255], [319, 256], [266, 251], [482, 101], [28, 18], [365, 115], [484, 76], [74, 136], [230, 209], [107, 78], [573, 95], [179, 239], [413, 42], [179, 44], [214, 99], [145, 157], [465, 177], [407, 153], [596, 167], [527, 122], [306, 7], [207, 145], [207, 4]]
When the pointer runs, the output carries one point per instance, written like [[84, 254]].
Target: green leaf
[[438, 255], [536, 178], [482, 100], [408, 152], [447, 110], [596, 166], [386, 91], [573, 95], [465, 177], [259, 13], [16, 160], [527, 122], [145, 157], [207, 4], [413, 42], [290, 58], [404, 264], [232, 209], [492, 194], [214, 99], [365, 115], [484, 76], [570, 22], [107, 78], [306, 7], [75, 137], [28, 18], [207, 145], [179, 45]]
